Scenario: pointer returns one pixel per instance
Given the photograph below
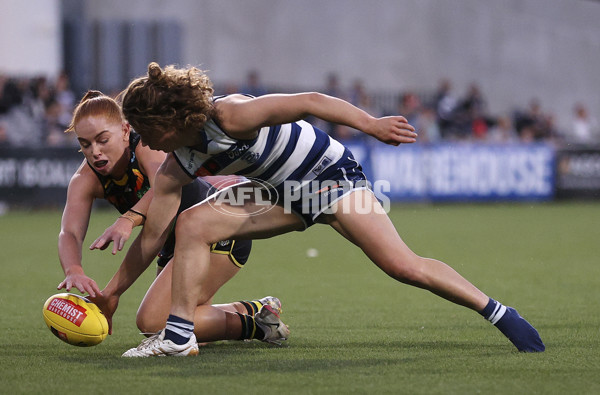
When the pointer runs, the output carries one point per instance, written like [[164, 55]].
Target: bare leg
[[210, 322], [375, 234], [377, 237], [199, 227]]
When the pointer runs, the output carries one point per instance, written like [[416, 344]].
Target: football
[[75, 320]]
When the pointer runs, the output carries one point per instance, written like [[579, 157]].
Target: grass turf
[[354, 330]]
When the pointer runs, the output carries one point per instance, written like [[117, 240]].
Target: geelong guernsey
[[294, 151]]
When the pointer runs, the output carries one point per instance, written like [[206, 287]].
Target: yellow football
[[75, 320]]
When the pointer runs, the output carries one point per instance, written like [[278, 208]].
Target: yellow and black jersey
[[127, 191]]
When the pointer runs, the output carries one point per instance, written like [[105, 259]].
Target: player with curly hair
[[314, 177], [120, 170]]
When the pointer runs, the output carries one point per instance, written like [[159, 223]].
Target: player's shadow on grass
[[260, 358]]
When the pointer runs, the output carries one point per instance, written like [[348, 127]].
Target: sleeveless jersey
[[126, 192], [294, 151]]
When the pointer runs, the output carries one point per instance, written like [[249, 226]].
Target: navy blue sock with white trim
[[178, 330], [513, 326]]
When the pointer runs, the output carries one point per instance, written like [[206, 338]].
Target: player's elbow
[[313, 102], [66, 238]]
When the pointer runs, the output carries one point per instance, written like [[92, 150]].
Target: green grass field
[[354, 330]]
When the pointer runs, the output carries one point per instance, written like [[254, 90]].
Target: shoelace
[[146, 343]]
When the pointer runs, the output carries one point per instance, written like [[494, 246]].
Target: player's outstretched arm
[[163, 208], [74, 223], [242, 116]]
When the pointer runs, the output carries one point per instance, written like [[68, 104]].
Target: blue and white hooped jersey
[[294, 151]]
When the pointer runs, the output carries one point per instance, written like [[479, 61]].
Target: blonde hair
[[169, 99], [95, 103]]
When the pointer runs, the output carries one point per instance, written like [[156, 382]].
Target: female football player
[[122, 171], [314, 177]]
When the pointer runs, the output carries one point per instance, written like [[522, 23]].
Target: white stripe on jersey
[[259, 146], [334, 153], [217, 140], [218, 143], [282, 140], [305, 142]]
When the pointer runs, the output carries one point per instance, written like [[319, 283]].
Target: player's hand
[[393, 130], [118, 233], [108, 305], [80, 281]]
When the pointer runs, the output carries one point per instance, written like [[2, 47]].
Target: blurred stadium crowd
[[34, 112]]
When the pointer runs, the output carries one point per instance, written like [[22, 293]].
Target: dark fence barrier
[[578, 172], [36, 177]]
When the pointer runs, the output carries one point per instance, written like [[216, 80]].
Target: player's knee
[[409, 271], [147, 323], [191, 224], [184, 224]]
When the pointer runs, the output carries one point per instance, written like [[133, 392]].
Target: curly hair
[[95, 103], [169, 99]]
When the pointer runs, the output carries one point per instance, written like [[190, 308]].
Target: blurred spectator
[[253, 85], [469, 117], [533, 124], [37, 97], [228, 89], [409, 106], [35, 112], [427, 126], [479, 125], [584, 128], [331, 88], [35, 100], [59, 110], [10, 95], [20, 128], [358, 96], [502, 131], [552, 133], [474, 100], [55, 129], [446, 104], [3, 134], [474, 110], [65, 97]]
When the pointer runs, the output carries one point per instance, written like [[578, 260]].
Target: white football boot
[[272, 301], [268, 320], [157, 346]]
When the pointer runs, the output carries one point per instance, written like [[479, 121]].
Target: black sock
[[249, 328], [252, 306]]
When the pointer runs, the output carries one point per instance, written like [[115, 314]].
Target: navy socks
[[506, 319], [178, 330], [513, 326]]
